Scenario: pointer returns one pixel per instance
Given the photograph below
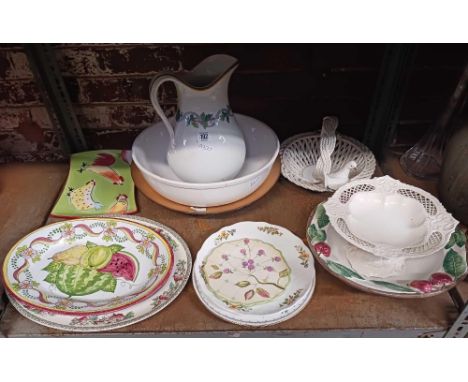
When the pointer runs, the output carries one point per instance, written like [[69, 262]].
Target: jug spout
[[210, 71]]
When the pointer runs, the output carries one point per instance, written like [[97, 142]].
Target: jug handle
[[154, 87]]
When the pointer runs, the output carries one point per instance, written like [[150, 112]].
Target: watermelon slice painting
[[85, 269]]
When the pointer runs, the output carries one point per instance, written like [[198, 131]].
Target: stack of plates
[[254, 274], [95, 274], [149, 155], [389, 238]]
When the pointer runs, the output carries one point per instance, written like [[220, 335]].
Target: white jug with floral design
[[207, 144]]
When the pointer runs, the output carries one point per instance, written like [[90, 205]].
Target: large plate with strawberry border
[[87, 266], [123, 316], [412, 278], [254, 274]]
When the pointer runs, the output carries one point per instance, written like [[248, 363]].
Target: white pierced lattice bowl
[[303, 150], [389, 218]]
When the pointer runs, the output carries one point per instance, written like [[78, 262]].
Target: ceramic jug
[[206, 143]]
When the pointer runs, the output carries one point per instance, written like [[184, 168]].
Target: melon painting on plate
[[99, 182], [85, 269]]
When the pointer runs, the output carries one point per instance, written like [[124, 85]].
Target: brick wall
[[290, 87]]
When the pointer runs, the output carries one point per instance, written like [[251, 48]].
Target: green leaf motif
[[242, 284], [342, 270], [316, 234], [454, 264], [458, 238], [90, 244], [392, 286], [216, 275], [322, 217], [21, 249], [284, 273], [115, 248], [215, 267], [35, 259]]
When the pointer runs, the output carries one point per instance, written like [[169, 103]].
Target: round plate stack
[[149, 156], [387, 237], [254, 274], [95, 274]]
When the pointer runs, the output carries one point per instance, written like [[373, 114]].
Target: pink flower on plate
[[225, 257], [261, 252], [109, 231], [145, 241], [276, 258], [64, 303], [269, 268], [246, 241], [25, 285], [227, 270], [249, 264], [243, 251], [68, 231], [28, 253], [322, 249]]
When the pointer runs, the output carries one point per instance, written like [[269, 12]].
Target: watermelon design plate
[[147, 307], [410, 278], [87, 266], [254, 274]]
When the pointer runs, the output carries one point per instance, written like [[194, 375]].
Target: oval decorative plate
[[87, 266], [124, 316], [413, 277], [254, 273]]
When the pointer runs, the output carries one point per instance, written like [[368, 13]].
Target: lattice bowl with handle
[[303, 150]]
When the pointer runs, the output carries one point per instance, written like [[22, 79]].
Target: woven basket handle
[[327, 146]]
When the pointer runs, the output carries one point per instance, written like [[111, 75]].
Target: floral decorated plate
[[254, 273], [410, 278], [87, 266], [149, 306]]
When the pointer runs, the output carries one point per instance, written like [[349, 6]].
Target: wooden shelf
[[28, 191]]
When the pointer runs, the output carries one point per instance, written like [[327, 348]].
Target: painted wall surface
[[289, 87]]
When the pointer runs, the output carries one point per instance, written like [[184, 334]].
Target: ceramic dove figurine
[[340, 177]]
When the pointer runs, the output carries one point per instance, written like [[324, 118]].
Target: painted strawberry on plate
[[85, 269]]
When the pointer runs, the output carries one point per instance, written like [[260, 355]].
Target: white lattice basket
[[303, 150], [389, 218]]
